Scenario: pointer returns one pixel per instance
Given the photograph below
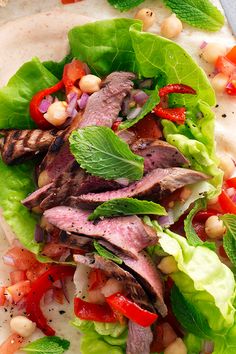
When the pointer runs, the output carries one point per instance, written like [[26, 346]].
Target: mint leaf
[[103, 252], [125, 5], [47, 345], [229, 240], [126, 206], [102, 153], [190, 318], [197, 13], [152, 101], [191, 234]]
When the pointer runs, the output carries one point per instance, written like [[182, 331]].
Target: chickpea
[[226, 165], [147, 16], [168, 265], [22, 326], [176, 347], [90, 83], [56, 114], [171, 27], [185, 194], [212, 51], [212, 201], [219, 82], [214, 227]]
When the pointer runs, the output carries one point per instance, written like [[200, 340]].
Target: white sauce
[[44, 35]]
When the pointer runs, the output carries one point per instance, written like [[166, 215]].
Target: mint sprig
[[125, 5], [197, 13], [103, 252], [229, 240], [102, 153], [126, 206], [47, 345]]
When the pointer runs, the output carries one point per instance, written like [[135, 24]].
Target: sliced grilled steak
[[104, 106], [113, 270], [155, 185], [139, 339], [21, 145], [35, 198], [75, 241], [158, 154], [127, 233]]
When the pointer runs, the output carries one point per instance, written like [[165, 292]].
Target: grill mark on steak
[[21, 145]]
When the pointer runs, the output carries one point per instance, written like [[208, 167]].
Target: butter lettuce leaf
[[202, 279], [15, 97], [107, 338], [16, 183]]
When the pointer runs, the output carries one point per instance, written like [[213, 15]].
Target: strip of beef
[[75, 241], [21, 145], [35, 198], [158, 154], [104, 106], [139, 339], [154, 185], [132, 288], [127, 233]]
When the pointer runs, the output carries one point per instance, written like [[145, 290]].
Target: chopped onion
[[45, 103], [112, 286], [123, 181], [72, 103], [83, 100], [134, 113], [166, 220], [140, 98], [8, 260], [38, 234], [203, 45], [21, 304], [48, 297]]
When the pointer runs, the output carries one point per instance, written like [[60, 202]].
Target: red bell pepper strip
[[227, 205], [176, 88], [131, 310], [35, 114], [178, 114], [39, 288], [72, 73], [93, 312], [231, 182]]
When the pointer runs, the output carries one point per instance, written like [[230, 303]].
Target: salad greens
[[47, 345], [102, 153], [106, 254], [126, 206], [15, 97], [125, 5], [197, 13], [229, 240]]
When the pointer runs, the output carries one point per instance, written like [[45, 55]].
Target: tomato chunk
[[20, 258], [12, 344], [17, 291], [225, 66], [72, 73], [231, 55], [147, 127], [16, 276], [227, 205], [2, 296]]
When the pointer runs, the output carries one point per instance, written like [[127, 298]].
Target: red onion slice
[[82, 102], [141, 98], [38, 234], [44, 105], [166, 220], [134, 113], [203, 44], [72, 103]]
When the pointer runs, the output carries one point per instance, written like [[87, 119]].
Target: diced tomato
[[16, 292], [53, 250], [97, 279], [65, 2], [231, 182], [72, 73], [227, 205], [20, 258], [36, 271], [231, 55], [203, 215], [148, 127], [231, 86], [16, 276], [93, 312], [2, 296], [12, 344], [225, 66], [131, 310]]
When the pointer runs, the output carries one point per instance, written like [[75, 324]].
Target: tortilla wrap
[[45, 35]]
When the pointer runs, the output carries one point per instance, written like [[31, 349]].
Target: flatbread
[[45, 35]]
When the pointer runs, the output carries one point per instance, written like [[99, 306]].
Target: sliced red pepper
[[39, 288], [231, 55], [72, 73], [35, 114], [131, 310], [93, 312], [231, 182], [227, 205], [176, 88], [178, 114]]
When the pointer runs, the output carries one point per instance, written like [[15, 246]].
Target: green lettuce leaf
[[106, 338], [102, 153], [126, 206], [47, 345], [106, 254], [15, 97], [229, 240], [193, 343], [198, 13], [202, 279], [16, 183], [104, 45]]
